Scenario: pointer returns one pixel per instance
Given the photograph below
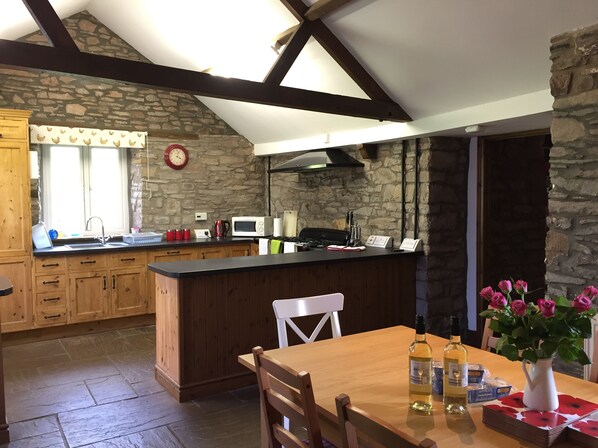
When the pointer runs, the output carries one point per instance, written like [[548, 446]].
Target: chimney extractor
[[318, 159]]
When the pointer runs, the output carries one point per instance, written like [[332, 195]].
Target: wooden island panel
[[204, 322]]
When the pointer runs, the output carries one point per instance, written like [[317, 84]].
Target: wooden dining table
[[372, 368]]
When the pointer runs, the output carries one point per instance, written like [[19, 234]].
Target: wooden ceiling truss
[[64, 56]]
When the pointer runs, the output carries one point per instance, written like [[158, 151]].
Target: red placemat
[[511, 416], [584, 432]]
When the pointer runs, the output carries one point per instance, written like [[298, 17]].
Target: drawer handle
[[49, 282], [88, 262], [52, 316], [127, 259], [173, 252], [104, 282], [50, 265], [51, 299], [0, 135], [113, 282]]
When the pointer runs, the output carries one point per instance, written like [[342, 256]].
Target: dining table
[[372, 368]]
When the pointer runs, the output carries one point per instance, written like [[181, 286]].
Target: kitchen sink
[[92, 245]]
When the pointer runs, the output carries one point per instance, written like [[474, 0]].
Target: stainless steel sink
[[92, 245]]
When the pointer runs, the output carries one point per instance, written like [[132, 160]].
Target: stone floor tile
[[32, 428], [147, 387], [23, 380], [35, 351], [136, 366], [103, 422], [153, 438], [79, 370], [50, 440], [110, 389], [96, 345], [249, 393], [237, 427], [217, 402], [35, 403]]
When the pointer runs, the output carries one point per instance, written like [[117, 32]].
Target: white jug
[[540, 390]]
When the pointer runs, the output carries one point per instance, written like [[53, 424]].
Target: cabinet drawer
[[49, 283], [51, 299], [86, 262], [130, 258], [50, 265], [50, 316], [13, 129]]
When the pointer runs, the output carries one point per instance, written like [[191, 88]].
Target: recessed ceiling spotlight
[[473, 128]]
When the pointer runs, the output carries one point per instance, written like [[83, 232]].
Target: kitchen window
[[79, 182]]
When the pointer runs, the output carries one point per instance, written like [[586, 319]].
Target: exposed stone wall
[[206, 184], [374, 193], [572, 241]]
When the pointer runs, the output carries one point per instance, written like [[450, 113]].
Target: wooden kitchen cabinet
[[128, 281], [238, 250], [158, 256], [51, 284], [16, 311], [88, 296], [208, 252]]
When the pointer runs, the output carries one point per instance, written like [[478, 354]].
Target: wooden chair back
[[591, 371], [488, 339], [353, 420], [286, 393], [286, 309]]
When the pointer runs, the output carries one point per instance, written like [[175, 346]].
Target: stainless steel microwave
[[252, 225]]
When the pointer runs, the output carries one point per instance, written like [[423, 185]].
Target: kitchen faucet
[[103, 239]]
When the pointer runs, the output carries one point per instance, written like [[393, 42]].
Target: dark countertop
[[192, 268], [64, 250], [5, 286]]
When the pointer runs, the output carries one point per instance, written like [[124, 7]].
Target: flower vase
[[540, 391]]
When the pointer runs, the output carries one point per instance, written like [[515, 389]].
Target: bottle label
[[457, 374], [420, 371]]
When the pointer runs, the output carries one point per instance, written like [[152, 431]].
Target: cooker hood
[[318, 159]]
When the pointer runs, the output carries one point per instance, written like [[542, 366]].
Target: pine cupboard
[[16, 310]]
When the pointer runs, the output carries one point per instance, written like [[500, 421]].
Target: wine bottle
[[420, 370], [455, 372]]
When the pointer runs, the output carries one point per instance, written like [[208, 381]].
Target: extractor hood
[[318, 159]]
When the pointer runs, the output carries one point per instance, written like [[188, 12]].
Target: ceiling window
[[79, 182]]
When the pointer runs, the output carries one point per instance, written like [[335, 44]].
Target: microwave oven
[[252, 225]]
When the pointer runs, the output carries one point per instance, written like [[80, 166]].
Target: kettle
[[221, 228]]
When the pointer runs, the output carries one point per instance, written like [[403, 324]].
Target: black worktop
[[64, 250], [192, 268]]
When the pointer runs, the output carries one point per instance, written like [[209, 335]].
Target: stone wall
[[572, 241], [169, 117], [374, 193]]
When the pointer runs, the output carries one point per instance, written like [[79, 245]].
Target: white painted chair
[[591, 346], [286, 309]]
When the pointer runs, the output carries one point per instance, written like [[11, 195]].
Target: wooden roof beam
[[39, 57], [289, 54], [50, 24], [323, 7]]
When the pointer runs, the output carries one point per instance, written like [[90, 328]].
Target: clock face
[[176, 156]]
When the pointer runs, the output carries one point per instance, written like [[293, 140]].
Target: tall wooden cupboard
[[15, 219]]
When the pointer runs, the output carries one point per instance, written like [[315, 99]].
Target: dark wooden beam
[[342, 55], [289, 54], [368, 151], [40, 57], [323, 7], [284, 37], [50, 24]]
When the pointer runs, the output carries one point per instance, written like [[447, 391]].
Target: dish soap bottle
[[420, 370], [455, 372]]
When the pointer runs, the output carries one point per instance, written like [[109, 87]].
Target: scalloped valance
[[60, 135]]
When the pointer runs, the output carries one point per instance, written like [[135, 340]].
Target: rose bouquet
[[539, 330]]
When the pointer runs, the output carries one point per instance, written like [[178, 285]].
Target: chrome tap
[[103, 239]]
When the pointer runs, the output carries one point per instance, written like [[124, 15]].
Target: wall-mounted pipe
[[403, 188], [416, 194]]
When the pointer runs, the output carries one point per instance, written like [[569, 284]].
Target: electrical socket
[[201, 216]]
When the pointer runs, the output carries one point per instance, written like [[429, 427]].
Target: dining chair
[[286, 393], [488, 339], [288, 309], [591, 370], [352, 420]]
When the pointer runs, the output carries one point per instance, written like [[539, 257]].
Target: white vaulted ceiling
[[448, 63]]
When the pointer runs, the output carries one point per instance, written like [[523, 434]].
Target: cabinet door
[[238, 250], [128, 291], [88, 296], [212, 252], [16, 310], [15, 200], [158, 256]]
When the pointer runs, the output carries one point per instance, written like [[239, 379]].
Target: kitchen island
[[210, 311]]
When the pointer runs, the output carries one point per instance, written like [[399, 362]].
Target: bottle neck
[[455, 339], [420, 337]]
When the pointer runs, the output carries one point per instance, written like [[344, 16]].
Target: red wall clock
[[176, 156]]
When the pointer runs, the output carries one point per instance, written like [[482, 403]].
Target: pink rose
[[582, 303], [590, 291], [487, 293], [547, 307], [498, 301], [505, 286], [519, 307], [520, 287]]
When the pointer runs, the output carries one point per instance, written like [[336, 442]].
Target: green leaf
[[549, 348], [583, 359], [562, 301], [510, 352], [529, 354], [567, 352]]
